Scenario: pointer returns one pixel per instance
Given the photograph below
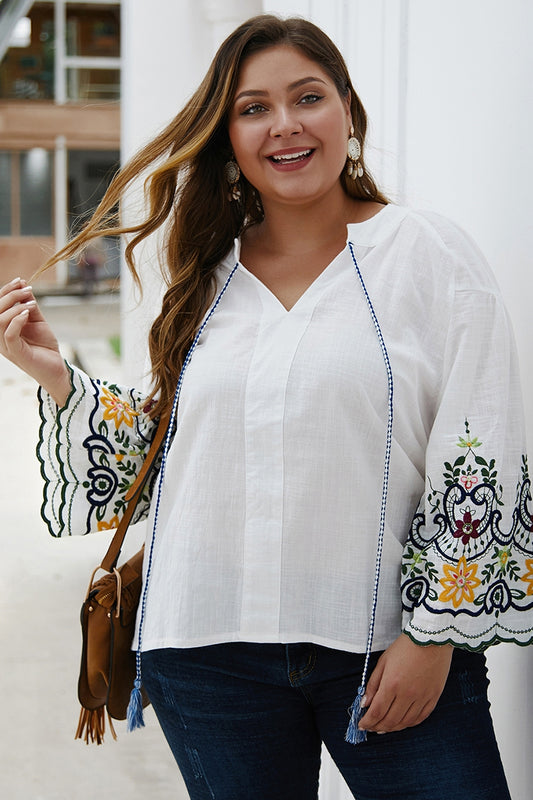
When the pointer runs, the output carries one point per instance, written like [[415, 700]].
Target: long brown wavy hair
[[187, 193]]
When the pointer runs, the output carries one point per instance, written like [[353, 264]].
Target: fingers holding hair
[[17, 302]]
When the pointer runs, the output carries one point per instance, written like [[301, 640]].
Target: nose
[[285, 123]]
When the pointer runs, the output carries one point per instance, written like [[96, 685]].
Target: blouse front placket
[[279, 334]]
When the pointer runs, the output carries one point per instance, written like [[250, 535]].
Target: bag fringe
[[91, 725]]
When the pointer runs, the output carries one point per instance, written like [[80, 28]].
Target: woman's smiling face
[[289, 127]]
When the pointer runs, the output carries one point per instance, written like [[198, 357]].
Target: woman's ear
[[348, 106]]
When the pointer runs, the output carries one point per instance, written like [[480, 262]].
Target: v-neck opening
[[315, 285], [363, 235]]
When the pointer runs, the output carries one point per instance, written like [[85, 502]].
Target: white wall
[[447, 87], [468, 129]]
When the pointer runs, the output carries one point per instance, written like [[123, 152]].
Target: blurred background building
[[60, 70]]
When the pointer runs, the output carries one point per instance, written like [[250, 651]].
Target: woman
[[349, 393]]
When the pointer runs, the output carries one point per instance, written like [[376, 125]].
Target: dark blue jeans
[[246, 722]]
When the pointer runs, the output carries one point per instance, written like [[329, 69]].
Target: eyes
[[253, 109]]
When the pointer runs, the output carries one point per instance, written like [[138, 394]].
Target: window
[[93, 84], [93, 31], [88, 55], [89, 175], [27, 72], [36, 192], [92, 52], [26, 180]]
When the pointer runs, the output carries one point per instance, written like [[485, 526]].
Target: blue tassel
[[135, 707], [354, 735]]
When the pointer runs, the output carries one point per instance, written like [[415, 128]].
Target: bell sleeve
[[467, 568], [90, 452]]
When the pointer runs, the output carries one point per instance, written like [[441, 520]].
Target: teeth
[[292, 156]]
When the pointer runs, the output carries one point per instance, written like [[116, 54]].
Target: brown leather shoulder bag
[[108, 614]]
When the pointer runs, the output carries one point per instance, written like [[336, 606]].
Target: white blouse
[[269, 513]]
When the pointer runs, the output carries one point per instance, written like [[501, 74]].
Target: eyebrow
[[291, 86]]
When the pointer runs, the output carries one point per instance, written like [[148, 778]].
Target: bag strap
[[133, 496]]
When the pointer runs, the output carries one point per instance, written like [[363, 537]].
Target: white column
[[167, 48], [60, 205], [469, 132], [224, 17], [60, 78], [165, 53]]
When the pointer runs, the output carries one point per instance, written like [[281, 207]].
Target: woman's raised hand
[[27, 340]]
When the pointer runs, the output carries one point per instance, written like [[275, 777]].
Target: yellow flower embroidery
[[107, 526], [117, 409], [528, 577], [459, 583]]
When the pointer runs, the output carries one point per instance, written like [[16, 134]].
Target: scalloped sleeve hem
[[90, 452], [477, 641]]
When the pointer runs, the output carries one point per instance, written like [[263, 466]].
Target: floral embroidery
[[88, 480], [117, 410], [528, 577], [460, 582], [106, 526], [111, 473], [467, 528], [463, 556], [469, 480], [470, 442]]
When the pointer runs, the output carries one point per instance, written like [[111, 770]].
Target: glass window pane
[[36, 193], [89, 175], [93, 30], [5, 194], [27, 73], [93, 84]]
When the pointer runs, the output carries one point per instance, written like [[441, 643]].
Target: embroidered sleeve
[[90, 453], [467, 570]]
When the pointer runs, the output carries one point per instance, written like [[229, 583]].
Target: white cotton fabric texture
[[269, 514]]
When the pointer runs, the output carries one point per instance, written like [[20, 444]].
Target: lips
[[289, 158]]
